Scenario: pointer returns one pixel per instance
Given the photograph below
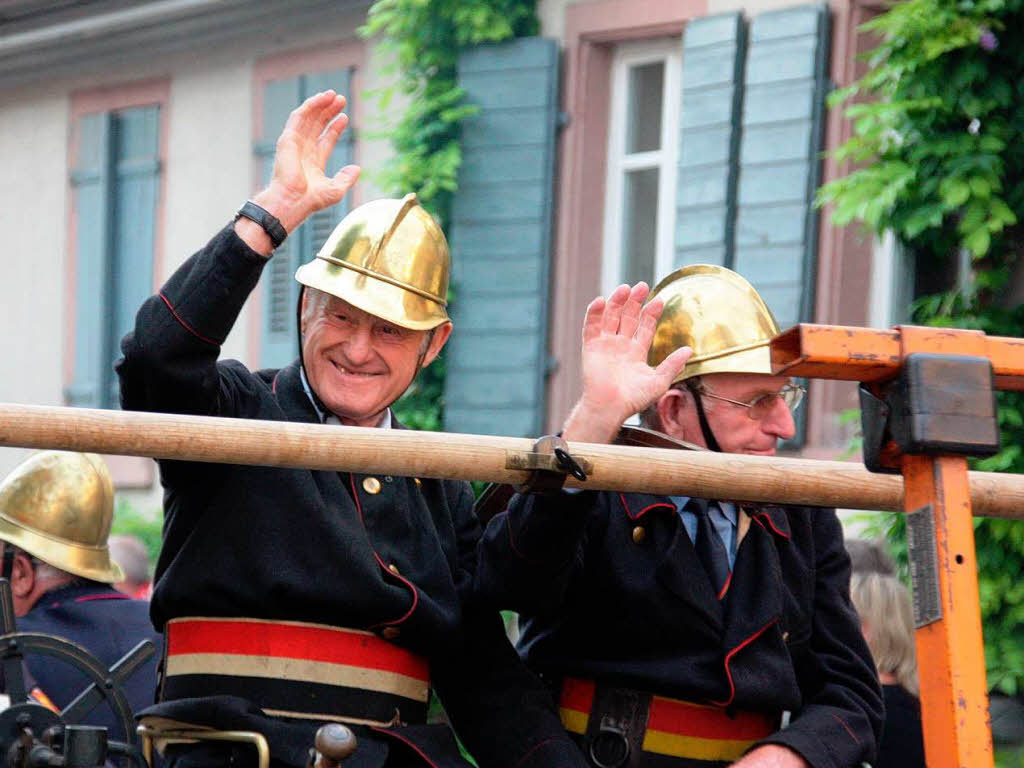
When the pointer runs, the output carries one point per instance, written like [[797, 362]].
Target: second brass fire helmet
[[389, 258], [719, 315], [58, 507]]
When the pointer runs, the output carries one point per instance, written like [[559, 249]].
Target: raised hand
[[617, 381], [298, 186]]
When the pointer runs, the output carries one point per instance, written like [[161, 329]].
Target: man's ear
[[671, 412], [303, 310], [437, 342], [23, 576]]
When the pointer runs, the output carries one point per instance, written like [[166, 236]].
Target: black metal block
[[944, 404], [874, 424]]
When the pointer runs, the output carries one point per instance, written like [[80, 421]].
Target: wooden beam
[[474, 457]]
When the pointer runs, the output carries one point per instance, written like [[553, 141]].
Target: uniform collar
[[80, 591]]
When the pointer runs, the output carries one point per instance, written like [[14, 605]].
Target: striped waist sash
[[617, 721], [294, 669]]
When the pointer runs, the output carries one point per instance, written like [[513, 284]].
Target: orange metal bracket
[[950, 651], [869, 354]]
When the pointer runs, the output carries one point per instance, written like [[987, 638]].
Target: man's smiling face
[[357, 363]]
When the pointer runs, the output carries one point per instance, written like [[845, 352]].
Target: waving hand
[[617, 381]]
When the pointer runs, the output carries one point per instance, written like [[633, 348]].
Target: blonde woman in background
[[883, 603]]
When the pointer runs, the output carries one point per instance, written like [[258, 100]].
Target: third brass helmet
[[388, 258], [58, 507], [719, 315]]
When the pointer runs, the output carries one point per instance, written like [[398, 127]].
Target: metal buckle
[[548, 464]]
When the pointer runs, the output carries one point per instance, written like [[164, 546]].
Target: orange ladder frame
[[954, 695]]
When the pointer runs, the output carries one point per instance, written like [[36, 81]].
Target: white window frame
[[626, 55]]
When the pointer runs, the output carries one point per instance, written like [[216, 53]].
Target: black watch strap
[[270, 223]]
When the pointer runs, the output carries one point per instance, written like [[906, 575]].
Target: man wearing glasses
[[677, 631]]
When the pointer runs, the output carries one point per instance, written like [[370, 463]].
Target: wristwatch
[[270, 223]]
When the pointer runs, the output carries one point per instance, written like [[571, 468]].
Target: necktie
[[710, 549]]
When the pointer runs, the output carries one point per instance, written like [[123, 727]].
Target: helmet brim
[[92, 563], [382, 299]]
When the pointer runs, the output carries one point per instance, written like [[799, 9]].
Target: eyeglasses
[[791, 394]]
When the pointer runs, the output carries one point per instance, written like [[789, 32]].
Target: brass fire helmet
[[58, 507], [719, 315], [389, 258]]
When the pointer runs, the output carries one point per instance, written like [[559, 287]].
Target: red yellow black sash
[[295, 669], [676, 728]]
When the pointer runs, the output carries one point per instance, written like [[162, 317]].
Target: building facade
[[629, 138]]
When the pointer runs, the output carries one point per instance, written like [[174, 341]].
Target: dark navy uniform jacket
[[314, 546], [639, 611], [106, 623]]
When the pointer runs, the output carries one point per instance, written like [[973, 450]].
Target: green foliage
[[937, 132], [425, 37], [420, 406], [148, 527], [938, 158]]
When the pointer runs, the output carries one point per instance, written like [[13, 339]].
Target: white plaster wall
[[374, 124], [33, 210], [210, 168]]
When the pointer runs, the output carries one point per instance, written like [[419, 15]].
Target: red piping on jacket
[[645, 510], [725, 587], [766, 516], [380, 562], [87, 598], [843, 723], [185, 325], [728, 658], [533, 749], [405, 741]]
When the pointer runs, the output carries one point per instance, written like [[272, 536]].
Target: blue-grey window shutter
[[501, 240], [137, 187], [323, 222], [278, 345], [712, 82], [92, 183], [777, 224], [278, 334]]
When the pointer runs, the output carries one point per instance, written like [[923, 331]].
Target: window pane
[[639, 225], [643, 117]]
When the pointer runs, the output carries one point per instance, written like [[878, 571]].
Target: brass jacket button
[[371, 485], [390, 633], [785, 637], [639, 534], [417, 481], [393, 568]]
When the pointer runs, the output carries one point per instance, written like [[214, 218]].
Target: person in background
[[130, 553], [886, 620], [55, 514], [869, 556]]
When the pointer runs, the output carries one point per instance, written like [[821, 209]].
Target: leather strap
[[270, 223]]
